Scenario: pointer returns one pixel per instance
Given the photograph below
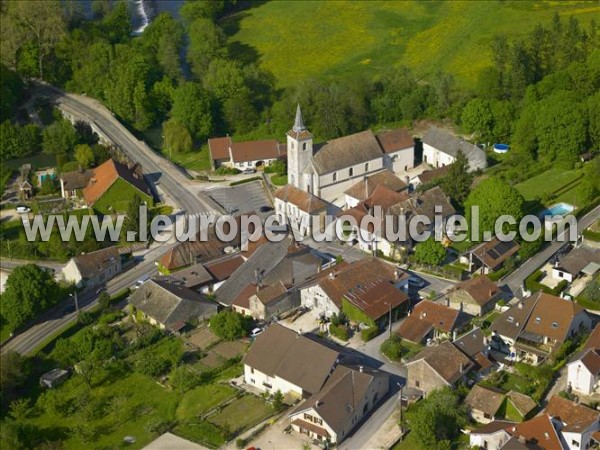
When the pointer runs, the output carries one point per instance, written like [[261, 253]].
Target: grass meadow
[[300, 40]]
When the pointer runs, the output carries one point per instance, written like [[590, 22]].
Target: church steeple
[[298, 123]]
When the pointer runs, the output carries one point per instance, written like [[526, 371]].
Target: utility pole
[[76, 302], [390, 320], [400, 401]]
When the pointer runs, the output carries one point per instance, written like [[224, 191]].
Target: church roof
[[299, 130], [346, 151]]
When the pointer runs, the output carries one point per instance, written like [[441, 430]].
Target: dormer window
[[351, 171], [554, 325], [538, 320], [511, 319]]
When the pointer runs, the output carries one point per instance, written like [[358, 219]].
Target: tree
[[206, 42], [177, 138], [11, 86], [104, 300], [477, 118], [59, 137], [14, 371], [117, 23], [192, 108], [192, 10], [278, 401], [494, 198], [41, 26], [164, 36], [437, 420], [133, 215], [457, 183], [29, 290], [183, 378], [229, 325], [84, 155], [430, 252]]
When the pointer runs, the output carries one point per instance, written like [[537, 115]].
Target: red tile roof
[[392, 141], [375, 299], [538, 431], [303, 200], [223, 268], [106, 174], [254, 150], [219, 147]]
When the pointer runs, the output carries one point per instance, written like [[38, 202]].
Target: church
[[327, 170]]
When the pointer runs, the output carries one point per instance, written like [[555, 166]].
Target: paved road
[[8, 265], [516, 279], [56, 319], [156, 168]]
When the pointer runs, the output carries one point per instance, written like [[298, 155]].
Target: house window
[[417, 383], [251, 369], [334, 176], [366, 167], [405, 168], [292, 145], [304, 146], [351, 171], [574, 443], [560, 274]]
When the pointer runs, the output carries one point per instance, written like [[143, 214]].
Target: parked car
[[256, 331], [265, 209], [249, 171], [141, 281], [23, 209], [415, 281]]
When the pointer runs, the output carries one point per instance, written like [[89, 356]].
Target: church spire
[[298, 123]]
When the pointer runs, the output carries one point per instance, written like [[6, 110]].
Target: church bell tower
[[299, 152]]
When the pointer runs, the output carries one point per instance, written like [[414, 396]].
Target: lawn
[[363, 38], [201, 399], [243, 413], [142, 401], [279, 180], [563, 186], [198, 159], [38, 161]]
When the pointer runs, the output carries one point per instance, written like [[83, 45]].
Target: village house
[[54, 378], [440, 148], [222, 268], [369, 233], [490, 256], [575, 423], [362, 282], [475, 344], [94, 268], [536, 327], [583, 371], [436, 367], [299, 209], [429, 321], [347, 397], [429, 176], [113, 180], [363, 189], [171, 307], [398, 149], [72, 183], [581, 260], [244, 155], [476, 296], [286, 262], [264, 302], [206, 277], [330, 168], [492, 436], [486, 404], [277, 361]]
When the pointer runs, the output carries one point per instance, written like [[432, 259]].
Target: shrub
[[110, 317], [223, 170], [339, 331], [392, 348], [247, 180], [369, 333], [240, 443], [229, 325]]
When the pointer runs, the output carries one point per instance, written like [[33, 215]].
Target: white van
[[141, 281]]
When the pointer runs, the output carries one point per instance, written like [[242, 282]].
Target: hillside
[[302, 39]]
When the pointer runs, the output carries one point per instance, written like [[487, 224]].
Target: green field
[[562, 184], [334, 39], [243, 413], [202, 399]]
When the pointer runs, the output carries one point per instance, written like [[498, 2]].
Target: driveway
[[240, 199]]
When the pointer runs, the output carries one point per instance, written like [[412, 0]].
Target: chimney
[[491, 292], [522, 439], [520, 305], [361, 369], [461, 369]]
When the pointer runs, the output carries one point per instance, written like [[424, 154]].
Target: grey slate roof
[[448, 143], [91, 264], [346, 151], [76, 179], [299, 360], [171, 304], [191, 277], [283, 261]]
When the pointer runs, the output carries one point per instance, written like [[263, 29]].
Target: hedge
[[369, 333], [592, 235], [339, 331], [532, 284], [247, 180]]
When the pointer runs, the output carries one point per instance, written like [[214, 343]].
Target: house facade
[[300, 209], [349, 395], [243, 155], [476, 296], [536, 327], [93, 269], [440, 148]]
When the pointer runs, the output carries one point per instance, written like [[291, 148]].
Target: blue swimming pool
[[559, 209]]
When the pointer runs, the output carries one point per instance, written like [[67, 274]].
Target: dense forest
[[541, 94]]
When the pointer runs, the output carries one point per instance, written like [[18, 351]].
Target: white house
[[398, 150], [582, 259], [300, 209], [363, 189], [574, 422], [93, 269], [277, 361], [440, 148], [244, 155], [583, 372], [492, 436]]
